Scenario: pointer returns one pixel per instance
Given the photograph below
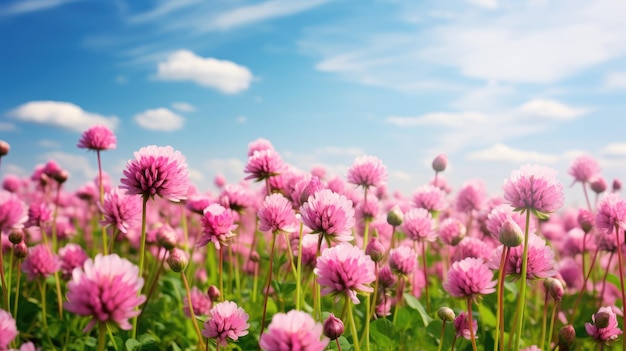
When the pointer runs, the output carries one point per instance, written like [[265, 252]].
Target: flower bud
[[567, 335], [178, 260], [375, 249], [61, 176], [311, 188], [213, 292], [585, 220], [440, 162], [255, 257], [386, 278], [617, 185], [446, 314], [16, 236], [166, 237], [333, 327], [511, 235], [20, 250], [555, 288], [598, 184], [4, 148], [601, 319], [395, 216]]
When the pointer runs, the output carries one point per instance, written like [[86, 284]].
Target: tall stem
[[101, 187], [522, 294], [191, 312], [299, 268], [220, 253], [580, 293], [142, 254], [544, 320], [621, 279], [424, 267], [101, 336], [553, 320], [268, 283], [443, 333], [500, 310], [471, 323], [355, 339], [17, 289], [5, 295]]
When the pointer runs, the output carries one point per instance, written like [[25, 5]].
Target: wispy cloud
[[183, 107], [159, 119], [7, 127], [225, 76], [615, 80], [614, 150], [503, 153], [442, 119], [20, 7], [60, 114], [550, 109]]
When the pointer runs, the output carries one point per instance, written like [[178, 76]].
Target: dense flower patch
[[307, 262]]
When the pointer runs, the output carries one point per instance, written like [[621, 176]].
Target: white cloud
[[400, 175], [49, 144], [61, 114], [28, 6], [160, 119], [7, 127], [488, 4], [338, 151], [225, 76], [550, 109], [241, 119], [503, 153], [443, 119], [615, 80], [163, 9], [249, 14], [183, 107], [195, 175], [614, 150], [230, 168]]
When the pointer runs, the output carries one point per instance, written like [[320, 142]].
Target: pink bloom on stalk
[[540, 259], [8, 329], [461, 325], [40, 262], [120, 210], [157, 170], [200, 301], [276, 214], [534, 188], [345, 269], [403, 260], [225, 321], [418, 225], [611, 212], [236, 197], [259, 145], [217, 226], [499, 215], [197, 203], [13, 213], [329, 214], [471, 197], [597, 184], [98, 138], [469, 278], [39, 214], [610, 332], [11, 183], [451, 231], [474, 247], [72, 256], [440, 163], [583, 168], [107, 290], [429, 197], [367, 171], [264, 164], [294, 330]]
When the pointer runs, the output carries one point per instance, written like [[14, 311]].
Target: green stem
[[57, 282], [17, 289], [522, 294], [355, 339], [101, 336], [267, 285], [471, 323], [399, 296], [366, 332], [424, 267], [621, 280], [544, 320], [44, 310], [10, 277], [375, 298], [220, 253], [191, 312], [290, 254], [299, 269], [101, 187], [500, 310], [183, 221], [443, 333], [552, 321], [142, 254]]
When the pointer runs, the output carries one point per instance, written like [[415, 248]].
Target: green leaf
[[133, 345], [382, 333], [415, 304]]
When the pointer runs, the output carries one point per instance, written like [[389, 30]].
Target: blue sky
[[493, 84]]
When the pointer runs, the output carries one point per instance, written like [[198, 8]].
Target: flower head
[[40, 262], [469, 278], [294, 330], [264, 164], [583, 168], [611, 213], [471, 197], [604, 326], [499, 216], [333, 327], [540, 259], [461, 325], [13, 213], [403, 260], [534, 188], [276, 214], [226, 321], [72, 256], [200, 301], [8, 329], [440, 163], [429, 197], [98, 138], [107, 290], [330, 214], [217, 226], [451, 231], [418, 225], [157, 170], [259, 145], [345, 269], [120, 210], [367, 171]]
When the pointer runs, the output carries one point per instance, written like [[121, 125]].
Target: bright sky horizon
[[493, 84]]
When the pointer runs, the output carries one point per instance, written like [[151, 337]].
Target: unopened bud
[[333, 327], [166, 237], [4, 148], [555, 288], [213, 292], [617, 185], [16, 236], [20, 250], [395, 216], [440, 162], [567, 335], [601, 319], [598, 184], [386, 278], [446, 314], [178, 260], [61, 176], [311, 188], [255, 257], [585, 220], [511, 235], [375, 249]]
